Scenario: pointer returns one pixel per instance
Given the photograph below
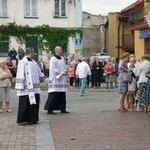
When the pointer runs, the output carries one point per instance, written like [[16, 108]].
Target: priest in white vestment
[[28, 88], [58, 86]]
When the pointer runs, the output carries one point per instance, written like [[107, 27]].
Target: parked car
[[101, 56]]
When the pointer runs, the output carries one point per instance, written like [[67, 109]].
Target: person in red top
[[10, 66], [109, 70], [71, 74]]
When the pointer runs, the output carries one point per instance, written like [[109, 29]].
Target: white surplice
[[28, 79], [57, 82]]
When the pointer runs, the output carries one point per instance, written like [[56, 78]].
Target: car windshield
[[100, 54], [104, 54]]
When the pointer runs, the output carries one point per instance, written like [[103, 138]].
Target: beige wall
[[139, 45], [92, 40], [90, 20], [113, 34]]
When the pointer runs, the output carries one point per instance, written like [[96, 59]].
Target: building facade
[[93, 36], [55, 13], [140, 24], [129, 30]]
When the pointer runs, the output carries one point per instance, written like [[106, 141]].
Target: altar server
[[58, 85]]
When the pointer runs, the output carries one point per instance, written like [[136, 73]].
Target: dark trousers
[[92, 80], [97, 81], [77, 82], [46, 72], [71, 81], [88, 80]]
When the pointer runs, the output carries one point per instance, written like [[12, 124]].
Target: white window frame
[[30, 13], [59, 13], [2, 10]]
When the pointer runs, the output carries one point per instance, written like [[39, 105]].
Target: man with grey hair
[[82, 71]]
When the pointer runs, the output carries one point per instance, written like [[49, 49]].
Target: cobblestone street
[[92, 124]]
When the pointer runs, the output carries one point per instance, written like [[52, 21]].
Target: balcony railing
[[137, 15], [128, 40]]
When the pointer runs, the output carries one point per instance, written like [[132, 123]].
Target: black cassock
[[27, 112], [56, 101]]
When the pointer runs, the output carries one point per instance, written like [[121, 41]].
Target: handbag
[[127, 77], [131, 87]]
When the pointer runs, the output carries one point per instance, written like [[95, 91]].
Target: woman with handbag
[[123, 85]]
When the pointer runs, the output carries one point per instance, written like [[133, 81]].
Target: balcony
[[128, 41], [137, 15]]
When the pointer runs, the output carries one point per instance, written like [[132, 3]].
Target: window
[[3, 8], [30, 8], [60, 8], [4, 47]]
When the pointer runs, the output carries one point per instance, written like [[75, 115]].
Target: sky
[[103, 7]]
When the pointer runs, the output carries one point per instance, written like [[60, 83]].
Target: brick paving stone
[[92, 124], [99, 129], [105, 130]]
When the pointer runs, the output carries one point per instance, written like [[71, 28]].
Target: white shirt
[[57, 81], [83, 70], [135, 69], [21, 80], [142, 69]]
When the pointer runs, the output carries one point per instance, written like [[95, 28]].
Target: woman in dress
[[148, 92], [123, 86], [144, 67]]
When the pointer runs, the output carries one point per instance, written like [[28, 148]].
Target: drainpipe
[[105, 39], [119, 39], [104, 30]]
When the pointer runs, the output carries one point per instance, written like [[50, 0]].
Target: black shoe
[[23, 123], [65, 112], [31, 123], [51, 113]]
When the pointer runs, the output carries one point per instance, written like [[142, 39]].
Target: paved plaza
[[92, 124]]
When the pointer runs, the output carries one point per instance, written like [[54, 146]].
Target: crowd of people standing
[[134, 91], [102, 71], [133, 81], [131, 76]]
